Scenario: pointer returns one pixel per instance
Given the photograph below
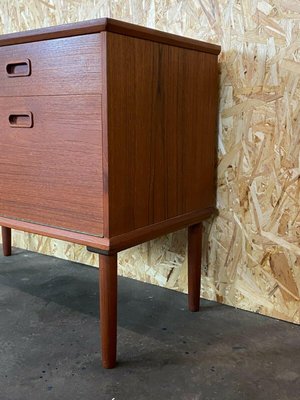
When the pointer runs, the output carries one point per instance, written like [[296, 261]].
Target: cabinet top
[[109, 25]]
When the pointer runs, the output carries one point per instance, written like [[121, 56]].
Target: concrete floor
[[49, 344]]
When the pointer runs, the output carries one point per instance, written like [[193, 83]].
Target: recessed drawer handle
[[21, 120], [18, 68]]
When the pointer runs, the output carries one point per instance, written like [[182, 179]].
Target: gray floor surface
[[49, 343]]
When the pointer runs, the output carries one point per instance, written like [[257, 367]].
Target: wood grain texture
[[158, 125], [115, 244], [104, 110], [162, 106], [150, 232], [6, 240], [51, 173], [58, 67], [108, 309], [110, 25], [56, 233]]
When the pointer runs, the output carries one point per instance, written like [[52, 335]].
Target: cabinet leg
[[108, 309], [6, 241], [194, 265]]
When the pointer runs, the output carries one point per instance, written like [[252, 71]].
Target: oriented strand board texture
[[251, 251]]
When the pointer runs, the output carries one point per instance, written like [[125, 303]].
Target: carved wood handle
[[16, 69], [21, 120]]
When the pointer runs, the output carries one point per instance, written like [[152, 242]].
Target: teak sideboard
[[108, 139]]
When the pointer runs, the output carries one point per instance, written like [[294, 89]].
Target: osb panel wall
[[251, 251]]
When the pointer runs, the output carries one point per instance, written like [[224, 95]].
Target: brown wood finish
[[6, 241], [55, 165], [111, 245], [108, 309], [57, 233], [107, 139], [161, 140], [61, 66], [54, 32], [149, 232], [105, 153], [108, 25], [194, 265], [140, 32]]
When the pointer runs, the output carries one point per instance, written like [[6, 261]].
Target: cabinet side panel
[[162, 103]]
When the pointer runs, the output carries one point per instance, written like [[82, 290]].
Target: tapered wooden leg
[[108, 309], [194, 265], [6, 241]]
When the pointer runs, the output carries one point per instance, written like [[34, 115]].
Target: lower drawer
[[51, 161]]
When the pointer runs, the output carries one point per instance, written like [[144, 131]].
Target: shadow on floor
[[49, 322]]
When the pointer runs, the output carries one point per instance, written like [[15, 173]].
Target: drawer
[[51, 161], [52, 67]]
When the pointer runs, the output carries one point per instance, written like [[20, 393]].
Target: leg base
[[194, 266], [6, 241], [108, 309]]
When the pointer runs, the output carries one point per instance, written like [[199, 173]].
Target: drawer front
[[51, 161], [52, 67]]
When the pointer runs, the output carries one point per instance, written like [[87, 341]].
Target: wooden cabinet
[[108, 139]]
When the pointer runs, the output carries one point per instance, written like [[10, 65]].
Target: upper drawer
[[52, 67]]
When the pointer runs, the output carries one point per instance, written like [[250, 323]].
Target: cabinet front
[[51, 133]]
